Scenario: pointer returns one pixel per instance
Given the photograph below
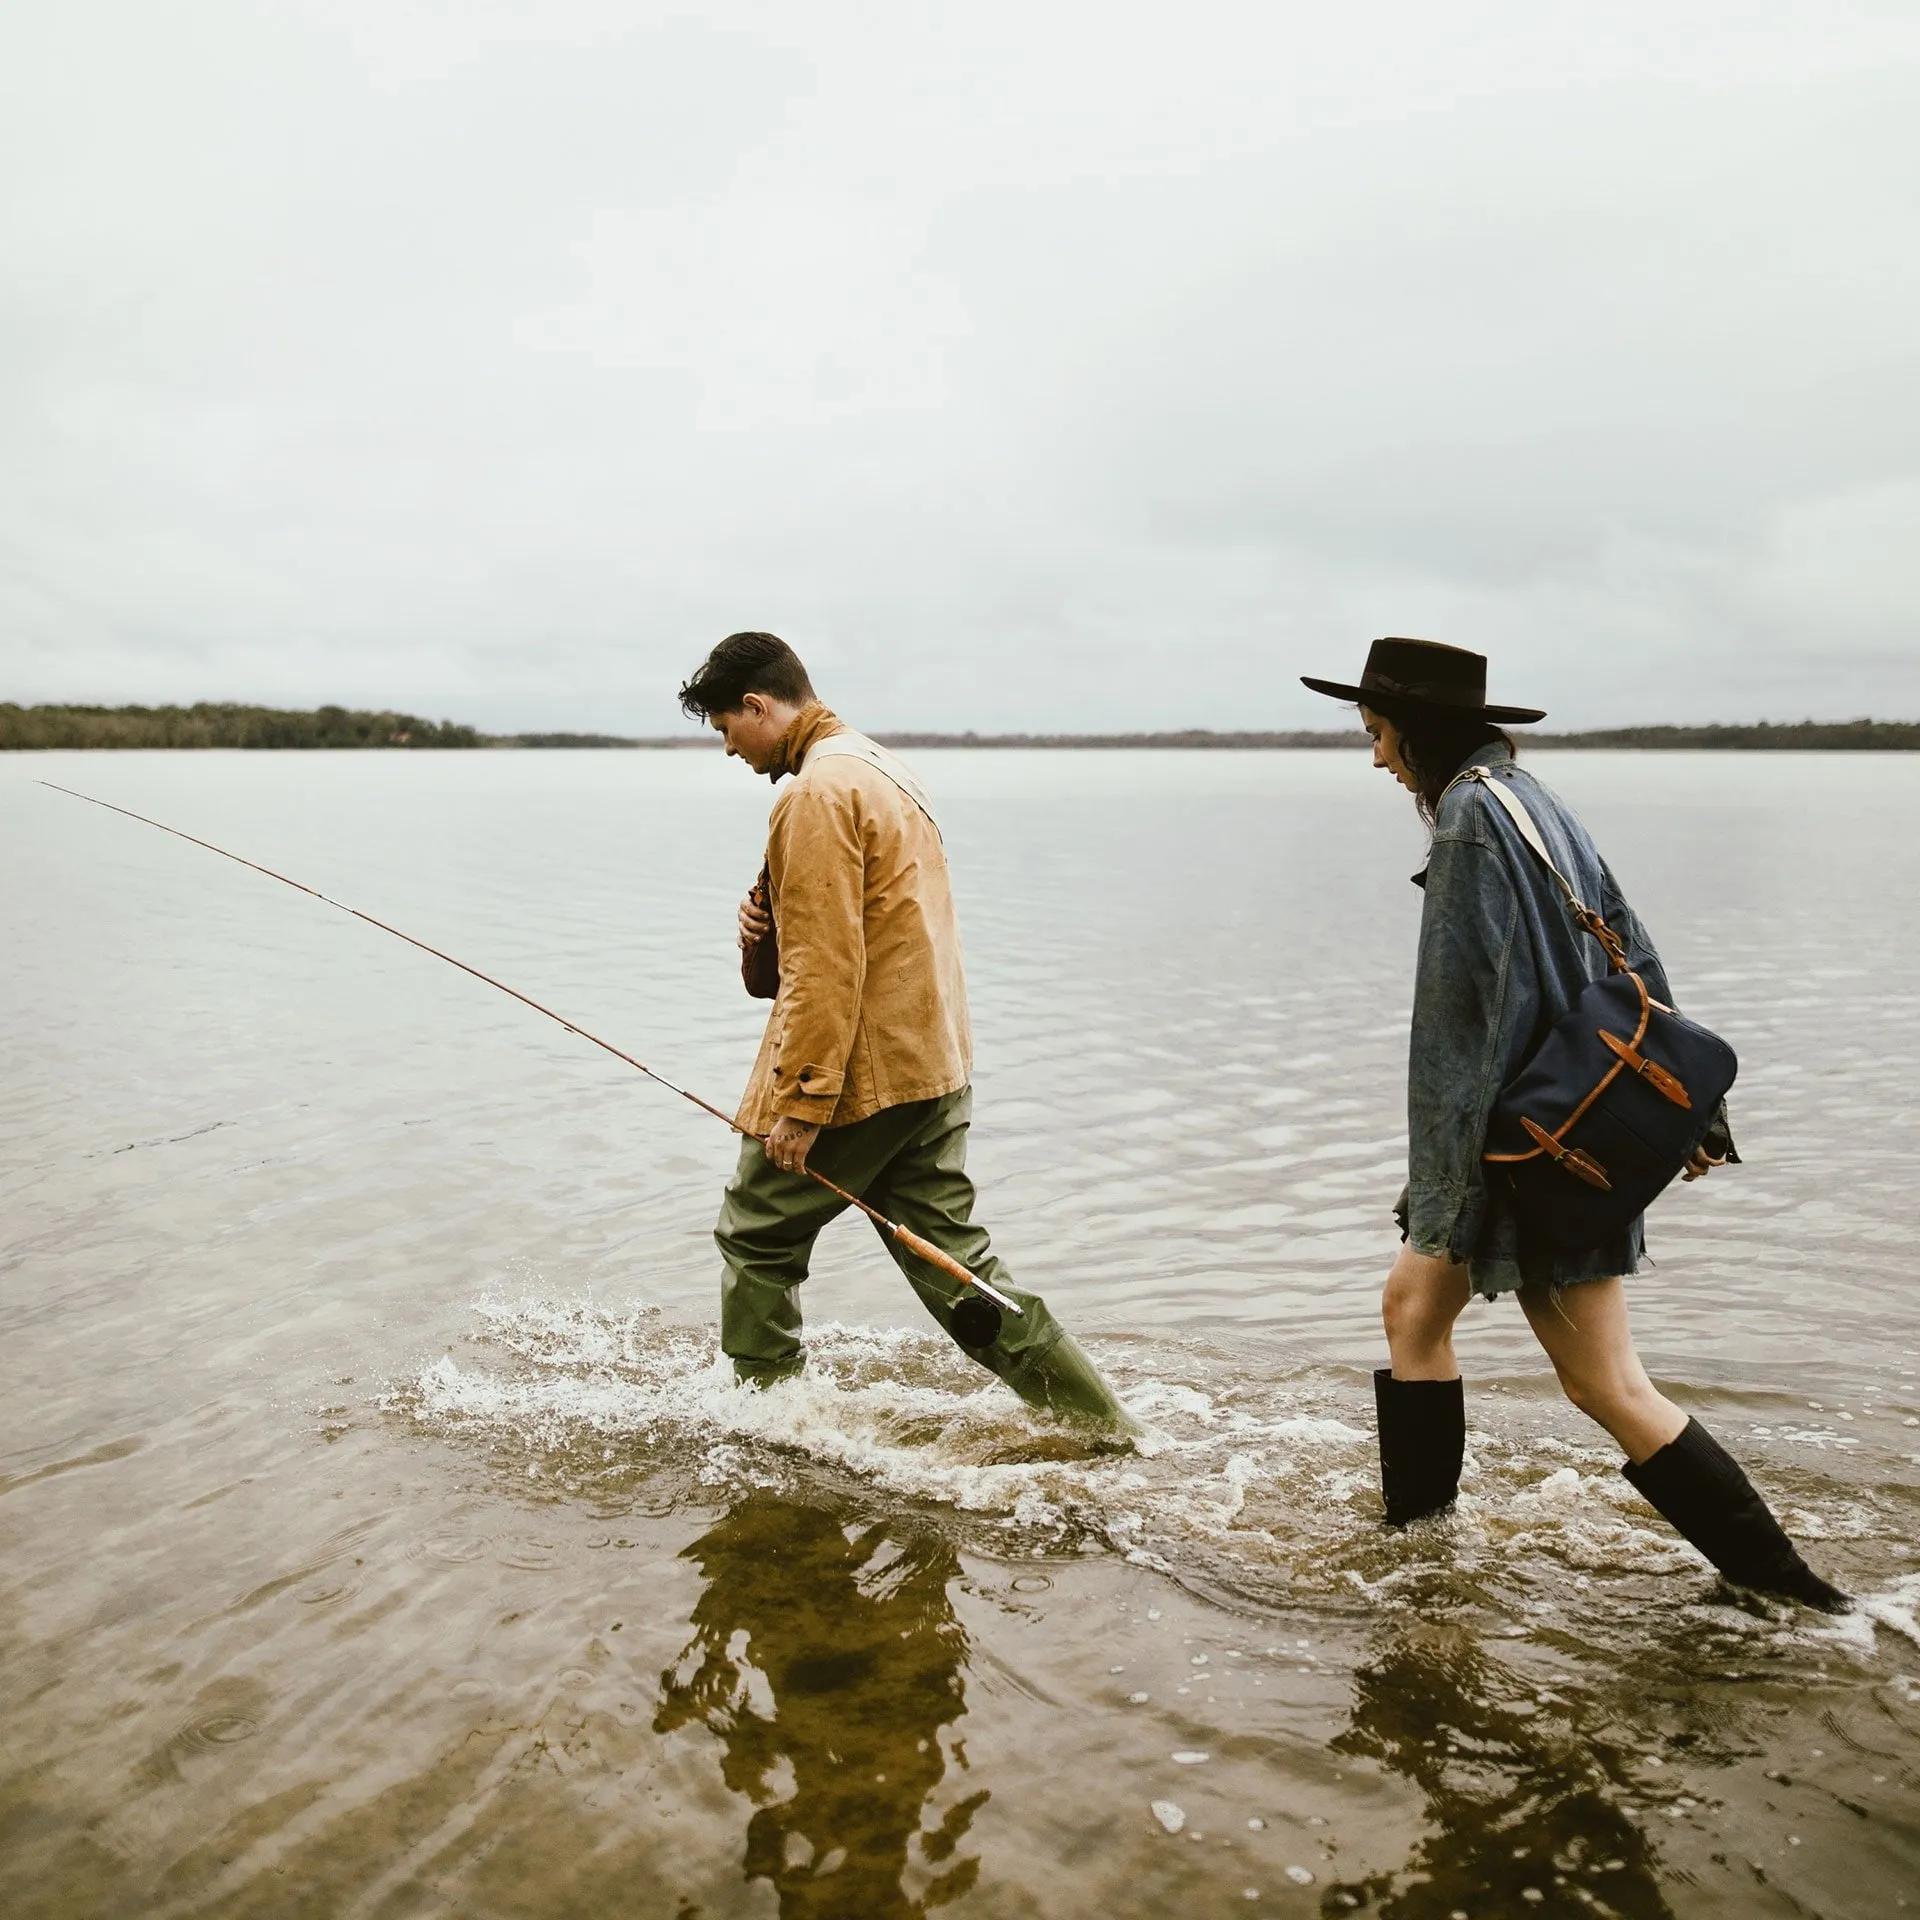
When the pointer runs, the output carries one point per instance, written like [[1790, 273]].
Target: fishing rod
[[920, 1248]]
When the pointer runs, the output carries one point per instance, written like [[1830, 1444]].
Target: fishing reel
[[976, 1322]]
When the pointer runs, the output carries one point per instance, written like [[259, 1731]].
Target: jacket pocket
[[820, 1083]]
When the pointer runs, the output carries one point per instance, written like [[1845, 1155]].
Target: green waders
[[910, 1162]]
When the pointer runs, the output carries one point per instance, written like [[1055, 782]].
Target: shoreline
[[267, 729]]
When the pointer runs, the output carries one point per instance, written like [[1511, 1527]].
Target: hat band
[[1436, 691]]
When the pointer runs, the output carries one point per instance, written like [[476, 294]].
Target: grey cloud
[[1038, 366]]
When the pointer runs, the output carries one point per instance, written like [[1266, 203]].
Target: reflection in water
[[1516, 1799], [827, 1658]]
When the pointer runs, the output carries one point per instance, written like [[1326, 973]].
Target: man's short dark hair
[[741, 664]]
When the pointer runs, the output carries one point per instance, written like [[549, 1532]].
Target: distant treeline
[[1186, 737], [1802, 735], [210, 725], [222, 724], [1806, 736], [591, 740]]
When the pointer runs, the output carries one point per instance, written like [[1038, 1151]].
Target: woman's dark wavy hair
[[1436, 744], [741, 664]]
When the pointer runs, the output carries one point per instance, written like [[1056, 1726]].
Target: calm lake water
[[379, 1537]]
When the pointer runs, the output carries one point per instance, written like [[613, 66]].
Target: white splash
[[1263, 1476], [1895, 1607], [584, 1388]]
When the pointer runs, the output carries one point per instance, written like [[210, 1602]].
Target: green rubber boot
[[1063, 1380], [767, 1373]]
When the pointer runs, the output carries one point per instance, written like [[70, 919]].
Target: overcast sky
[[1025, 364]]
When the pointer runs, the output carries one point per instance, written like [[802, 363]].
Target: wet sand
[[380, 1536]]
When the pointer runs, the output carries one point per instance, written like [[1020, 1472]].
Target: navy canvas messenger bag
[[1614, 1103]]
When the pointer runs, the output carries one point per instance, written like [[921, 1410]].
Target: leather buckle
[[1571, 1160], [1655, 1075], [1585, 917]]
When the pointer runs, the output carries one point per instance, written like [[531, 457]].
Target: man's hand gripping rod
[[920, 1248]]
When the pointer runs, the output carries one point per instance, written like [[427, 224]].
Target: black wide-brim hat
[[1423, 673]]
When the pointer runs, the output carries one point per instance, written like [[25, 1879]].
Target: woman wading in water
[[1500, 961]]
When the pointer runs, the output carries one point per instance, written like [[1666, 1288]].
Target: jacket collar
[[813, 723], [1496, 753]]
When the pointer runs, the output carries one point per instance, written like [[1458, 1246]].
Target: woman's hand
[[788, 1143], [1702, 1164], [755, 921]]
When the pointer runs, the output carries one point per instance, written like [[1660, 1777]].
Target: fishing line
[[920, 1248]]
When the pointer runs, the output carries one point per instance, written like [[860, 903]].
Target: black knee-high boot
[[1423, 1433], [1694, 1483]]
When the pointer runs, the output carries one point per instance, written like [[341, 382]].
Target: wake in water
[[1261, 1488]]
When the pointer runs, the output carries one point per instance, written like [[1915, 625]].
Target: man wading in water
[[863, 1072]]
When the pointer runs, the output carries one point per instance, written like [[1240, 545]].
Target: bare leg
[[1424, 1296], [1584, 1330], [1674, 1463], [1419, 1400]]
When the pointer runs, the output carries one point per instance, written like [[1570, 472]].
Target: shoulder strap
[[1516, 810], [856, 746], [1521, 818]]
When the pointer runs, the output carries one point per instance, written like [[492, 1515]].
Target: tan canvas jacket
[[872, 1007]]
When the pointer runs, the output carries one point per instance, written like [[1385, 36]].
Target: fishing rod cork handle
[[925, 1250]]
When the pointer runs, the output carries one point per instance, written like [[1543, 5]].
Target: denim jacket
[[1500, 961]]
